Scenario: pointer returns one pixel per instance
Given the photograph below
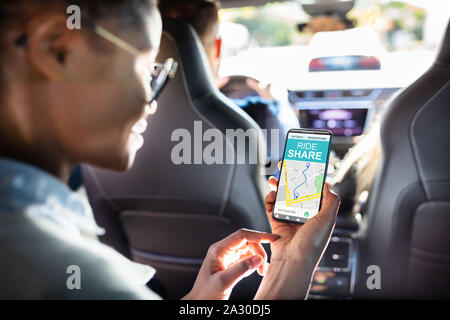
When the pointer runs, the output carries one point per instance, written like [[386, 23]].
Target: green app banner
[[306, 150]]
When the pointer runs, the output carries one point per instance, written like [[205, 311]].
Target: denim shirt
[[24, 188], [28, 190]]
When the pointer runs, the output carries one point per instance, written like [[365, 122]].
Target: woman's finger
[[238, 270], [330, 205], [257, 249], [273, 183], [270, 201], [240, 237]]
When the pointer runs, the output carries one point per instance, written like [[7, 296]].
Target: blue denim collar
[[27, 189]]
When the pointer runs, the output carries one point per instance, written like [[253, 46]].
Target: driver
[[71, 96], [203, 16]]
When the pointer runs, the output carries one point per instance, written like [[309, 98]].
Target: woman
[[80, 96]]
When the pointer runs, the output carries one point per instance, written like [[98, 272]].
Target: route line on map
[[303, 172]]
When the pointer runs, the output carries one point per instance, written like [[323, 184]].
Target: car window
[[397, 39]]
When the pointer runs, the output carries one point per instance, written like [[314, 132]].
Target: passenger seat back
[[409, 212]]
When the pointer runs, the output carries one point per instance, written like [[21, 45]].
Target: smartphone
[[302, 175]]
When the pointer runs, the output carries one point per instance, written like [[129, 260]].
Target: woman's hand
[[228, 261], [311, 237], [298, 251]]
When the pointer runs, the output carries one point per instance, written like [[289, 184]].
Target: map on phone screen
[[302, 176]]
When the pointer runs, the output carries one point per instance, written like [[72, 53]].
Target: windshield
[[393, 41]]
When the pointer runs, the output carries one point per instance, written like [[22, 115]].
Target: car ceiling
[[243, 3]]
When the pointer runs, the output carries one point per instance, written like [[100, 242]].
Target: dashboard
[[346, 113]]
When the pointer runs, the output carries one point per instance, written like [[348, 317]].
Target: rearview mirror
[[327, 7]]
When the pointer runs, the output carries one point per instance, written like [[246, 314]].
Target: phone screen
[[302, 175]]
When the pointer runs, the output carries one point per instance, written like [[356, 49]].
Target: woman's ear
[[48, 43]]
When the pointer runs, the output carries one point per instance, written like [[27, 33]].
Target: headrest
[[191, 57], [444, 52]]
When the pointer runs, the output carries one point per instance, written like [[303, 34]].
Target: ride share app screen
[[302, 176]]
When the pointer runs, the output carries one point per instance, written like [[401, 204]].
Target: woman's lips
[[137, 140], [140, 126], [136, 137]]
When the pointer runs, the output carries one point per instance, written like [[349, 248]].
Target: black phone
[[302, 175]]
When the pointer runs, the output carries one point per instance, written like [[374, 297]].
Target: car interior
[[167, 215]]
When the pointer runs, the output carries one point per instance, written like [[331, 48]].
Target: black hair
[[130, 13], [126, 10], [202, 15]]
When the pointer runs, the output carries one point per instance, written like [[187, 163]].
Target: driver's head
[[203, 16], [70, 94]]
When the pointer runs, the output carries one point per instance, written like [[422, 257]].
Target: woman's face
[[97, 113]]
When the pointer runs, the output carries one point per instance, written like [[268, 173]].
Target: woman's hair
[[130, 13], [364, 160], [14, 14], [369, 162], [126, 10]]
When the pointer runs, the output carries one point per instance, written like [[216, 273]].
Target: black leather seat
[[409, 212], [276, 115], [167, 215]]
